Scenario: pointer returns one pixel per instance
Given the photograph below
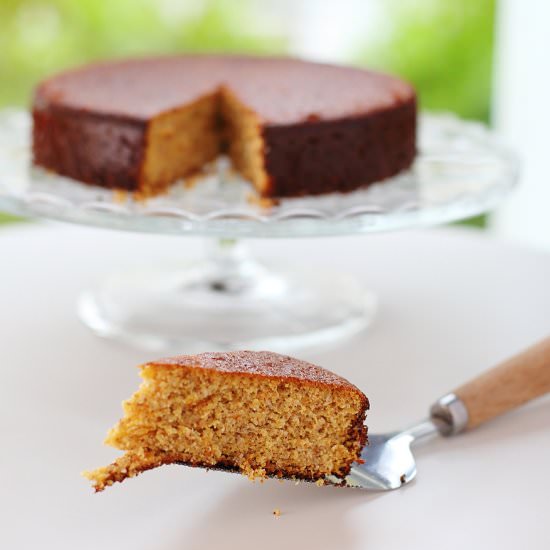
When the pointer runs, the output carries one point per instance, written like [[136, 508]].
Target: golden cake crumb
[[263, 202], [120, 196], [277, 512]]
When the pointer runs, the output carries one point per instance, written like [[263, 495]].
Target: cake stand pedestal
[[461, 170], [239, 302]]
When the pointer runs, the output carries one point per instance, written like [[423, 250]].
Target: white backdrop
[[522, 115]]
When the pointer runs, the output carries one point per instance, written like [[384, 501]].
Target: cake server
[[388, 459]]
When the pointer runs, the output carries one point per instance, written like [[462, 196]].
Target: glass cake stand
[[228, 300]]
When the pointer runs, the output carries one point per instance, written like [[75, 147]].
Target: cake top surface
[[279, 90], [261, 363]]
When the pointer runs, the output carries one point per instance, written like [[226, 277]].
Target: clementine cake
[[290, 127], [257, 413]]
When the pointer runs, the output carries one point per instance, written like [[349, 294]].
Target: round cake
[[290, 127]]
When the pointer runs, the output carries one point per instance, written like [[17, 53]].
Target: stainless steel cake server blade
[[388, 459]]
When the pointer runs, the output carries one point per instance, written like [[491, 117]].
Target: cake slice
[[258, 413]]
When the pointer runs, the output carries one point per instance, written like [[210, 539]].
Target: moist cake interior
[[182, 141], [258, 425], [244, 139]]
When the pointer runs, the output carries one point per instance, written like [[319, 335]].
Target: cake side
[[319, 157], [257, 413], [102, 151]]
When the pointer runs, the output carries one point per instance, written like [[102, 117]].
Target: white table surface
[[452, 304]]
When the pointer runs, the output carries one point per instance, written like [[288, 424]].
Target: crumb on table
[[277, 512]]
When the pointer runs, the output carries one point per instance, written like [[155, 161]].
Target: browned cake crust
[[323, 128], [262, 363], [240, 366]]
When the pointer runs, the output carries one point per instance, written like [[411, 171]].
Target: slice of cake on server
[[257, 413]]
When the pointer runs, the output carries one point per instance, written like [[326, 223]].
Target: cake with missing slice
[[290, 127], [257, 413]]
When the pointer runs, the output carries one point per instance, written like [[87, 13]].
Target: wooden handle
[[508, 385]]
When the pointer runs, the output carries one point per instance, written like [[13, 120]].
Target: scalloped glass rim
[[461, 170]]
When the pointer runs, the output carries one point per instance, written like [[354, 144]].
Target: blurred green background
[[444, 48]]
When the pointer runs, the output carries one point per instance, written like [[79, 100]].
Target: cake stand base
[[227, 301]]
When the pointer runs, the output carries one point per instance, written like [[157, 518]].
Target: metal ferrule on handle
[[514, 382], [450, 414]]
